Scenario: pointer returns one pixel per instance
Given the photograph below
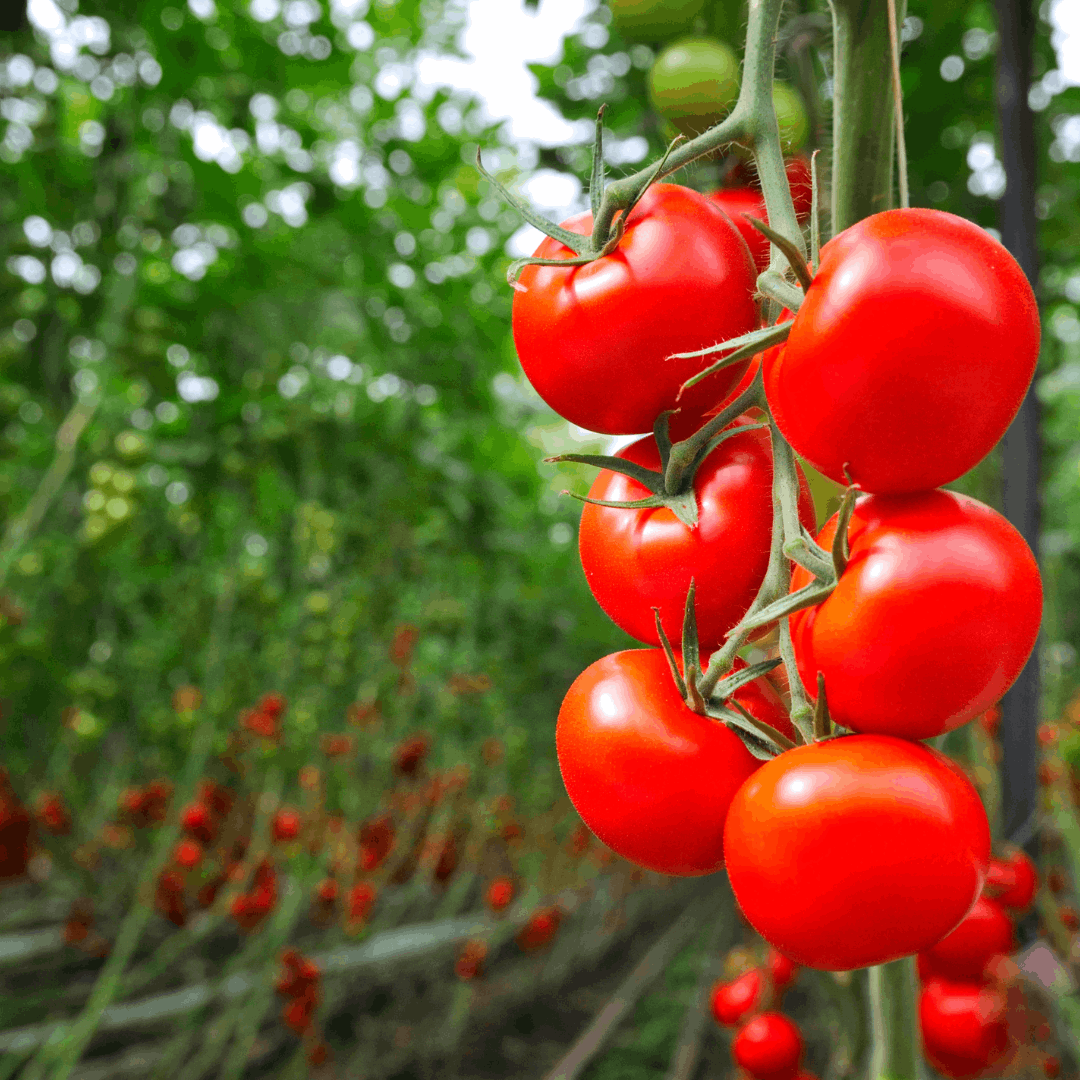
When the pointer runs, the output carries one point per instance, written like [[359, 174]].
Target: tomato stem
[[894, 1026]]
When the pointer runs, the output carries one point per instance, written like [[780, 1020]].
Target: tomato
[[746, 198], [933, 618], [1013, 881], [594, 340], [986, 931], [654, 20], [964, 1027], [782, 971], [836, 870], [694, 83], [910, 355], [732, 1002], [791, 116], [768, 1047], [638, 559], [652, 779]]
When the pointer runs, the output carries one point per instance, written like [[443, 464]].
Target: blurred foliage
[[258, 248]]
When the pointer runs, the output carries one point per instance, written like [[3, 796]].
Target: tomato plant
[[878, 877], [932, 619], [652, 779], [638, 559], [964, 1027], [594, 340], [910, 354]]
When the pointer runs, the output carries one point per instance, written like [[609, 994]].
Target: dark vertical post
[[1020, 447]]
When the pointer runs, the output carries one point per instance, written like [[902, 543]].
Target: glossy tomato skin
[[768, 1047], [733, 1002], [1013, 880], [933, 618], [964, 1027], [652, 779], [986, 931], [594, 340], [635, 560], [910, 354], [879, 876]]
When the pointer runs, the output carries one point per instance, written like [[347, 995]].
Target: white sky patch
[[501, 37], [1065, 19]]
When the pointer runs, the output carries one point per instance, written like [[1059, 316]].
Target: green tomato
[[792, 117], [727, 21], [694, 83], [655, 20]]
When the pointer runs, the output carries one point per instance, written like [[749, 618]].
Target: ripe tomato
[[694, 83], [769, 1047], [933, 618], [746, 198], [879, 876], [652, 779], [782, 970], [594, 340], [638, 559], [732, 1002], [986, 931], [910, 354], [964, 1027], [1013, 881]]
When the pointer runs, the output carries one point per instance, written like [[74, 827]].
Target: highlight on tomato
[[878, 877]]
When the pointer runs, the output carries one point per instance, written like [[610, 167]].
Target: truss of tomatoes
[[911, 351]]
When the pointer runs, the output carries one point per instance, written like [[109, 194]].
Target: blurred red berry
[[327, 890], [768, 1047], [197, 820], [318, 1055], [540, 929], [448, 859], [336, 745], [782, 971], [188, 854], [499, 893], [1012, 880], [1069, 918], [579, 840], [1051, 1067], [733, 1002], [273, 705], [409, 754], [53, 815], [403, 643], [215, 796], [361, 900], [1047, 734], [990, 721], [286, 824], [470, 961]]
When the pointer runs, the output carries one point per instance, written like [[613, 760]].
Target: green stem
[[863, 116], [894, 1054]]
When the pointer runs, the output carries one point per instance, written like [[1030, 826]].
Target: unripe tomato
[[639, 559], [654, 20], [910, 355], [1013, 881], [732, 1002], [652, 779], [694, 83], [879, 876], [791, 116], [594, 340], [768, 1047], [964, 1027], [933, 618], [962, 954]]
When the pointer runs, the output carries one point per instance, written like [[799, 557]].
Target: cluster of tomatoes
[[299, 984], [767, 1044], [913, 342]]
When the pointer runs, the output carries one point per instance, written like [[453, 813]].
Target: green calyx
[[762, 740], [672, 486], [605, 236]]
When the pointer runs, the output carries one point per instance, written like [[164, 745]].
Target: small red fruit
[[327, 890], [470, 962], [361, 900], [964, 1027], [985, 932], [499, 893], [410, 754], [782, 970], [769, 1047], [733, 1002], [53, 814], [1070, 920], [1013, 880], [188, 854], [286, 824], [540, 929], [197, 820]]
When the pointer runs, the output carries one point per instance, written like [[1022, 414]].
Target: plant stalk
[[894, 1024]]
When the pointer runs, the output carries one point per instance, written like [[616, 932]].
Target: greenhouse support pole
[[1020, 446]]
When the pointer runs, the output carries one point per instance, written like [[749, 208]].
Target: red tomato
[[962, 954], [652, 779], [594, 339], [635, 560], [769, 1047], [964, 1027], [782, 970], [910, 354], [1013, 881], [933, 618], [732, 1002], [879, 876]]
